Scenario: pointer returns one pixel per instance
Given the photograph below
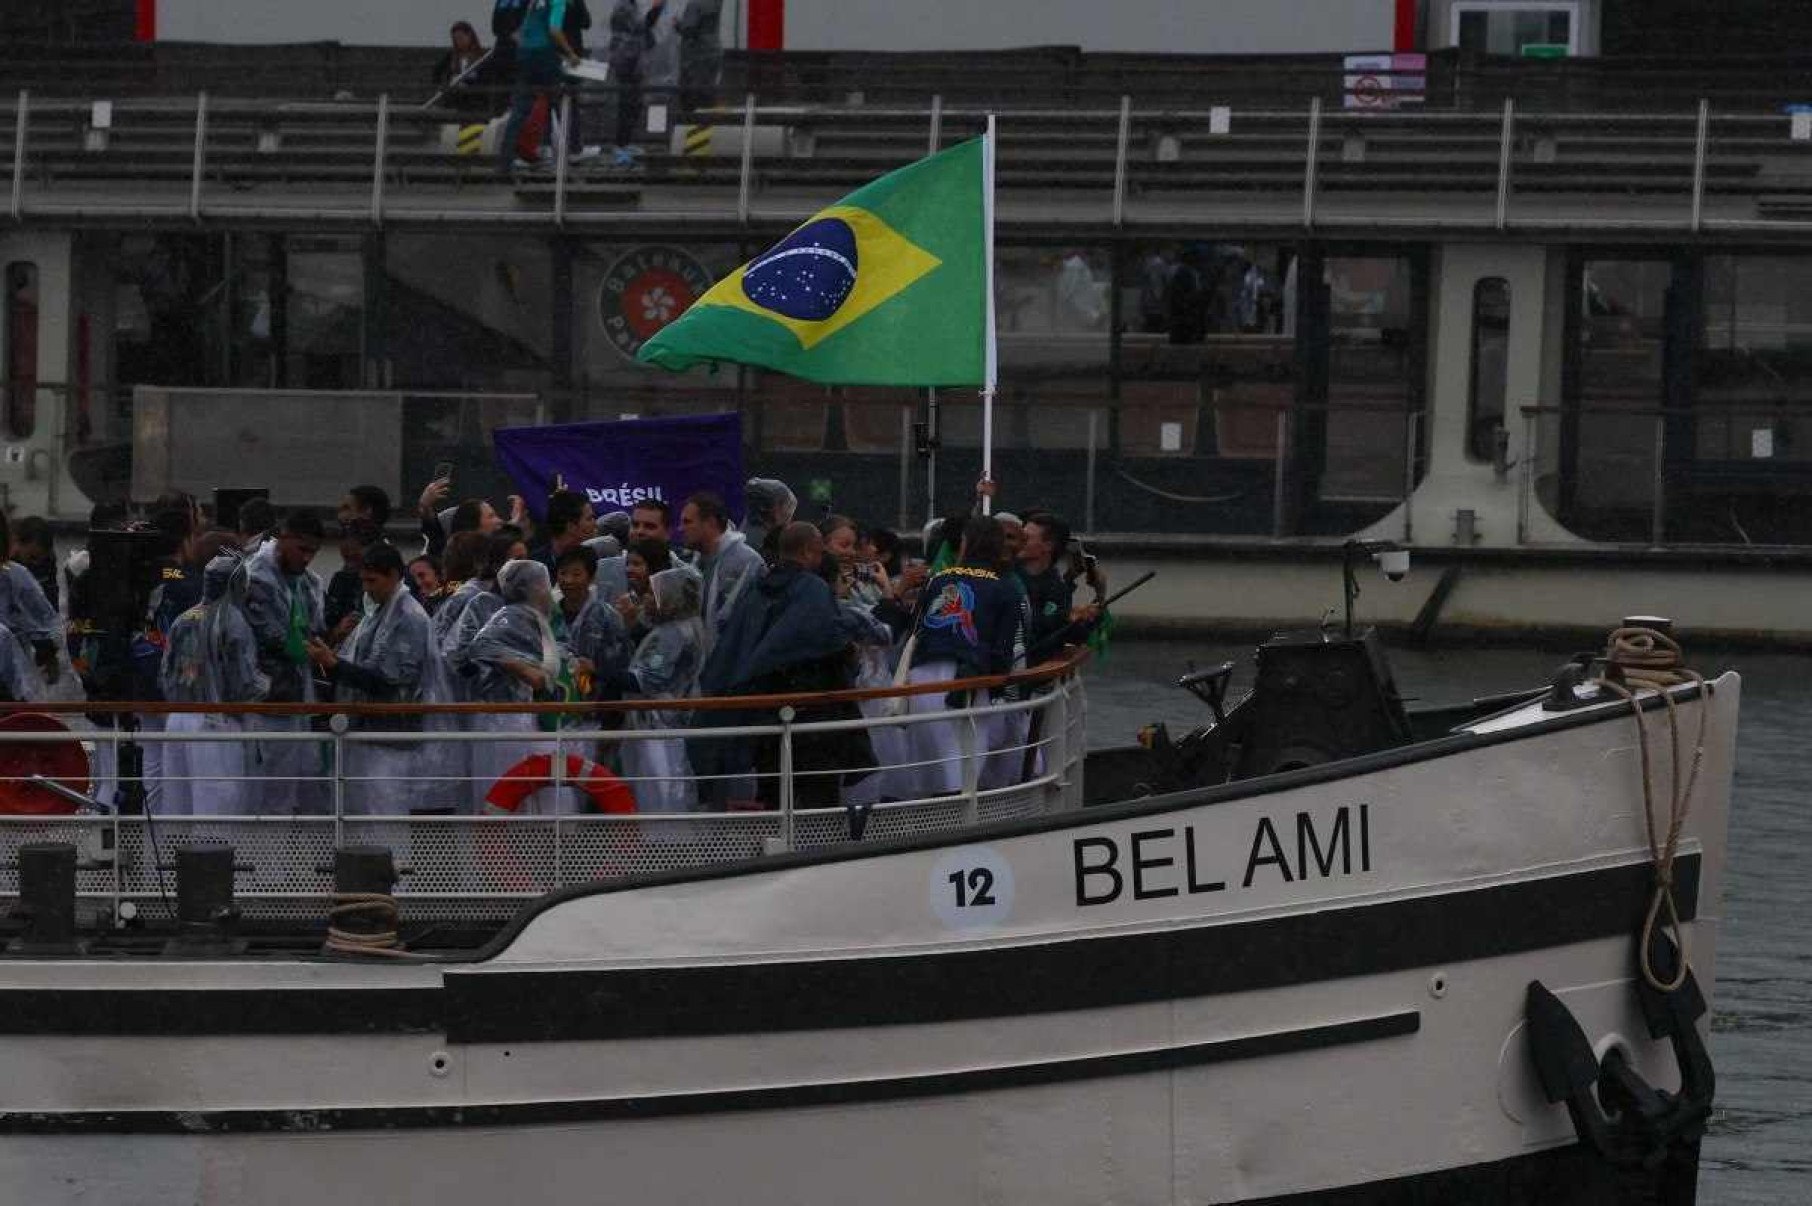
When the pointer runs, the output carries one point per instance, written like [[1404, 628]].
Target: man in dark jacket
[[1055, 620], [785, 636]]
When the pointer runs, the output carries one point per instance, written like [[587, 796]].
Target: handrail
[[1057, 668]]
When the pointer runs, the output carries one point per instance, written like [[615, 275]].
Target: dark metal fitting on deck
[[47, 892], [207, 920]]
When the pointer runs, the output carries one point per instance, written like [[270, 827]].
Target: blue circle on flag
[[807, 275]]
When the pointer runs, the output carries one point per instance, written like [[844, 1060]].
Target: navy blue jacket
[[970, 615]]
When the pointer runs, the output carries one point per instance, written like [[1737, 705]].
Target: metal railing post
[[1088, 485], [786, 778], [563, 140], [931, 442], [1120, 153], [377, 163], [1657, 531], [21, 124], [558, 785], [1525, 501], [1503, 164], [1278, 465], [748, 157], [905, 465], [201, 140], [971, 764], [1698, 164], [337, 727], [936, 135], [1313, 164], [1060, 750]]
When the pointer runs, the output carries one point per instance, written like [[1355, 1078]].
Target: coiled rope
[[379, 910], [1644, 658]]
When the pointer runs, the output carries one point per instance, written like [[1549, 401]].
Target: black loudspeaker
[[123, 569], [227, 502], [1318, 699]]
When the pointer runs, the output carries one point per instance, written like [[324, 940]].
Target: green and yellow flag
[[887, 287]]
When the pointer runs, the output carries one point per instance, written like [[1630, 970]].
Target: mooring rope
[[1646, 658], [380, 908]]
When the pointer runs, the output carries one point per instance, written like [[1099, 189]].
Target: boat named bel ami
[[1322, 949]]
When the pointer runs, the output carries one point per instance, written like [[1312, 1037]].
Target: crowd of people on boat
[[574, 607]]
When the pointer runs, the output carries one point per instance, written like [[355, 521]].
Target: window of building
[[1495, 27], [1490, 367]]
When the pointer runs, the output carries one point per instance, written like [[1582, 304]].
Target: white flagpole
[[991, 365]]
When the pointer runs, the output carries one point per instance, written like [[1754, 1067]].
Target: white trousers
[[382, 780], [935, 746], [1006, 762], [659, 775], [289, 771]]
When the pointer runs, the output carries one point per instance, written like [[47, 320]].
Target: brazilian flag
[[887, 287]]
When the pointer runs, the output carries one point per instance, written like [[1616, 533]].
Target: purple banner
[[618, 464]]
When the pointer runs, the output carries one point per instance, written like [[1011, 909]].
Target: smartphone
[[443, 469]]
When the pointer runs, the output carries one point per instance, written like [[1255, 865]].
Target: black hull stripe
[[1082, 973], [835, 1093]]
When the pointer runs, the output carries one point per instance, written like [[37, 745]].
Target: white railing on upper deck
[[369, 163], [1018, 758]]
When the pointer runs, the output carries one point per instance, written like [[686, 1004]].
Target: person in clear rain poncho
[[389, 658], [19, 678], [590, 628], [768, 506], [472, 609], [665, 666], [514, 658], [211, 657], [31, 622], [284, 604]]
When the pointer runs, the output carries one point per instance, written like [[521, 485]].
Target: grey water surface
[[1758, 1151]]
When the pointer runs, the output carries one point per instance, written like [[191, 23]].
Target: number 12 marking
[[974, 887]]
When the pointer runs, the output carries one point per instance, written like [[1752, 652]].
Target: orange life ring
[[62, 761], [608, 793]]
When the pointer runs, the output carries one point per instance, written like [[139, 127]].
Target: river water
[[1758, 1151]]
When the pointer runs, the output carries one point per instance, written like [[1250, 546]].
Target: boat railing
[[575, 804]]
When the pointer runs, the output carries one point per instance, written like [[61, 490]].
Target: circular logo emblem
[[808, 275], [646, 289]]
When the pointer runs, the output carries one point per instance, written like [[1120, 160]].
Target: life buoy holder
[[608, 794]]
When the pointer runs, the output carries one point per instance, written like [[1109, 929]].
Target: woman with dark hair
[[463, 74]]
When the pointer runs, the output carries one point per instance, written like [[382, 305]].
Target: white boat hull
[[1308, 988]]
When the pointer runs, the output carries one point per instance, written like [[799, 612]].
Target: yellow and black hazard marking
[[698, 140], [470, 138]]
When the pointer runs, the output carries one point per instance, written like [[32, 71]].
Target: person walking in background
[[701, 53], [631, 36], [541, 48]]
